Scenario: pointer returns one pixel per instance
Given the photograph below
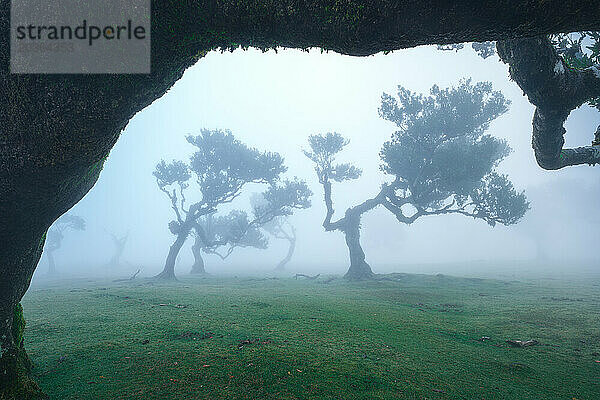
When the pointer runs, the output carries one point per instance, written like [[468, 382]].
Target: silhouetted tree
[[228, 231], [440, 161], [119, 242], [55, 236], [222, 166], [279, 228]]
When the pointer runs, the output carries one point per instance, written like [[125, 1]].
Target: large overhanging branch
[[555, 90], [183, 31]]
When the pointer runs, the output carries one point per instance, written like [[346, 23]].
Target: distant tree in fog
[[222, 166], [279, 228], [55, 236], [221, 234], [119, 242], [440, 161]]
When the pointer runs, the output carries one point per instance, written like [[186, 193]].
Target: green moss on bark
[[18, 331], [17, 384]]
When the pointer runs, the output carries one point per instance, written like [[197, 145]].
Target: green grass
[[286, 339]]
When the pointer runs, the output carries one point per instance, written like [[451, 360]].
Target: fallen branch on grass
[[522, 343], [132, 277], [307, 276]]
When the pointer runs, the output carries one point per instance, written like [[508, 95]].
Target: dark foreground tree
[[556, 82], [558, 73], [222, 166], [440, 160], [52, 147], [56, 235]]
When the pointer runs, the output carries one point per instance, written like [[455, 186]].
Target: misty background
[[273, 101]]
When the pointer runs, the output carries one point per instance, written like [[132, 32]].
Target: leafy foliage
[[442, 159], [280, 228], [169, 174], [234, 229], [483, 49], [579, 50], [496, 201], [323, 151], [222, 166], [280, 199]]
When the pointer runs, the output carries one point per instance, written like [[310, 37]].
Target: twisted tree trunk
[[168, 272], [27, 214], [350, 226], [198, 267], [288, 256], [359, 269], [115, 260]]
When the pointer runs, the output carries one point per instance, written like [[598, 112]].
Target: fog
[[274, 101]]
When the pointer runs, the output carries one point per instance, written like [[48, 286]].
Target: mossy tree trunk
[[34, 202], [15, 365]]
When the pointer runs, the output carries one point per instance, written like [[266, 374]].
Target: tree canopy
[[440, 161], [221, 166]]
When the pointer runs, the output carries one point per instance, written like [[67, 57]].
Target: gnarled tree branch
[[555, 90]]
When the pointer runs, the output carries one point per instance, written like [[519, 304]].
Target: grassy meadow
[[418, 337]]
